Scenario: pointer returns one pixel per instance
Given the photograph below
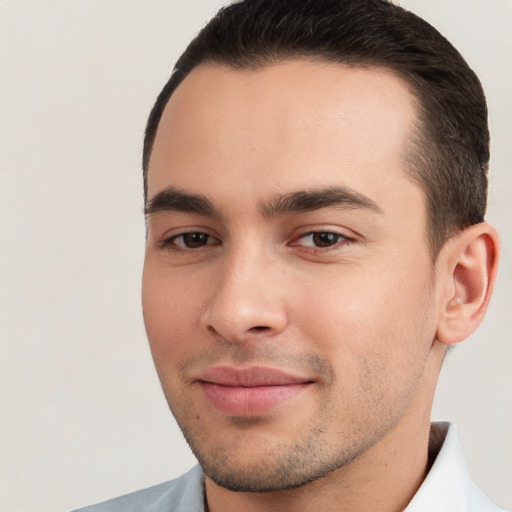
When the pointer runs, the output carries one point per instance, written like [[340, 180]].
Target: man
[[315, 189]]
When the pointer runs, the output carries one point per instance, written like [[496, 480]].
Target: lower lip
[[249, 401]]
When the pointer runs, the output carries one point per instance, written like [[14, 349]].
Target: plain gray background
[[82, 416]]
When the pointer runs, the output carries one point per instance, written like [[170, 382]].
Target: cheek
[[383, 313], [375, 333], [171, 315]]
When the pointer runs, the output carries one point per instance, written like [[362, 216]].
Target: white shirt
[[447, 487]]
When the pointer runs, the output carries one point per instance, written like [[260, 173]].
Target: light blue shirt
[[447, 487]]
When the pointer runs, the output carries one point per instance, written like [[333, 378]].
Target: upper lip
[[253, 376]]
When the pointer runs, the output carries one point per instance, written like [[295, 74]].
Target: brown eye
[[193, 240], [325, 239], [321, 239]]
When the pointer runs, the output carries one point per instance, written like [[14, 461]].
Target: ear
[[469, 262]]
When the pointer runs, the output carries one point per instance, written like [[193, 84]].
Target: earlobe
[[471, 262]]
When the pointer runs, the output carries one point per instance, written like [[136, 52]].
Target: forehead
[[292, 125]]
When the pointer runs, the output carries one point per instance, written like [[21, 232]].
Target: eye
[[192, 240], [321, 239]]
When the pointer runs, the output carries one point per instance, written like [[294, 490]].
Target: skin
[[362, 317]]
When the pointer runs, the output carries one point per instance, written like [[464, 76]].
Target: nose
[[247, 301]]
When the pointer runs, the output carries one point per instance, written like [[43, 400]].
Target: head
[[305, 166], [448, 154]]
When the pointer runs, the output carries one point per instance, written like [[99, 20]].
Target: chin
[[268, 467], [261, 478]]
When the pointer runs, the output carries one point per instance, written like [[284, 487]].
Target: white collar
[[448, 486]]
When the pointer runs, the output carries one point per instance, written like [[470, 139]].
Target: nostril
[[259, 328], [212, 329]]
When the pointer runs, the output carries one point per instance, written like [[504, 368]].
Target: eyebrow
[[310, 200], [173, 199]]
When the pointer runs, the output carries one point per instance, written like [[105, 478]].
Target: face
[[288, 289]]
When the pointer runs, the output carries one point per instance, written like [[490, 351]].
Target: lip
[[253, 391]]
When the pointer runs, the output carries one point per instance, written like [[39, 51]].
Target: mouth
[[248, 392]]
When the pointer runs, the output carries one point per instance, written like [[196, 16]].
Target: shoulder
[[184, 494]]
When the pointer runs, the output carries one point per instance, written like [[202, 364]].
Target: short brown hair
[[449, 153]]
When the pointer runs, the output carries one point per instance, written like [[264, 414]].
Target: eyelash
[[341, 239], [170, 243]]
